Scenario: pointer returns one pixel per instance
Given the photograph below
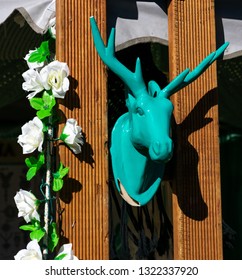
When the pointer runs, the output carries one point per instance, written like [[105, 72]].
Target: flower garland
[[45, 81]]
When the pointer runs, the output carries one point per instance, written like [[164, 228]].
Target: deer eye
[[139, 111]]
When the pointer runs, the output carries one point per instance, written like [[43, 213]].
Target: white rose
[[33, 65], [27, 206], [32, 252], [67, 252], [72, 135], [32, 136], [55, 77], [52, 26], [33, 82]]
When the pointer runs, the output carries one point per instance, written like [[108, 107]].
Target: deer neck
[[136, 176]]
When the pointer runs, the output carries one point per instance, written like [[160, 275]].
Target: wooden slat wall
[[84, 199], [196, 186]]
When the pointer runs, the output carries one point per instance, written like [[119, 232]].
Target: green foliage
[[60, 257], [57, 184], [36, 231], [37, 234], [58, 177], [43, 105], [53, 237], [41, 53], [34, 164], [63, 136]]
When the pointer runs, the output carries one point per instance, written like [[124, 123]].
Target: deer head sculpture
[[140, 142]]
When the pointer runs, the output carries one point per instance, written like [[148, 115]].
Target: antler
[[134, 80], [186, 77]]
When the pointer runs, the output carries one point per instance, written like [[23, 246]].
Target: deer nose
[[156, 147], [161, 151]]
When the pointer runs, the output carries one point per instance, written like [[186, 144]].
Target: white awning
[[146, 21], [135, 22], [36, 13], [22, 24]]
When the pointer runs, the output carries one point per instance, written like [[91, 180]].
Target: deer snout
[[161, 151]]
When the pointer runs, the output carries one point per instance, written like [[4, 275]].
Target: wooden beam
[[196, 185], [84, 200]]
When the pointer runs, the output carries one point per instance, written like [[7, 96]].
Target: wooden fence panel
[[196, 186], [84, 200]]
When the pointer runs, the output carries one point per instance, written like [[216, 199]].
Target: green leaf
[[43, 105], [34, 57], [41, 53], [34, 164], [31, 161], [41, 160], [61, 172], [44, 47], [47, 98], [37, 202], [43, 114], [31, 173], [37, 103], [37, 234], [64, 172], [57, 184], [56, 175], [63, 136], [35, 224], [28, 227], [60, 257], [53, 237]]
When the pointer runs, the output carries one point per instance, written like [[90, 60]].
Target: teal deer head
[[140, 142]]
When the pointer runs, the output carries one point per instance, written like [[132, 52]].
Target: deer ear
[[130, 100], [153, 88]]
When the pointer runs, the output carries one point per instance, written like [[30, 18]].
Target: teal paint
[[140, 142]]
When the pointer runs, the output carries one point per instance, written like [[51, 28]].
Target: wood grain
[[84, 199], [196, 184]]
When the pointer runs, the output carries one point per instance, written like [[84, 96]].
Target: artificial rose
[[32, 252], [72, 135], [32, 136], [33, 65], [52, 27], [33, 82], [27, 205], [66, 253], [55, 77]]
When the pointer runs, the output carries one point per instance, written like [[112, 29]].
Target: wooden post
[[84, 200], [196, 186]]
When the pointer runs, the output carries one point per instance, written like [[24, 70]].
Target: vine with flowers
[[45, 81]]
